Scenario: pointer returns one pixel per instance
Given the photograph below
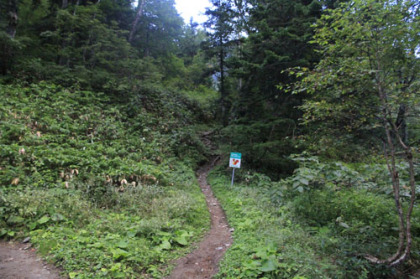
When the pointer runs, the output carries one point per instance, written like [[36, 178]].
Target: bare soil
[[203, 262], [20, 261]]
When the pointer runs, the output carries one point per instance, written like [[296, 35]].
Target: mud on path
[[19, 261], [203, 262]]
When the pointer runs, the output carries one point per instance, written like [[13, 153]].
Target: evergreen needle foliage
[[107, 108]]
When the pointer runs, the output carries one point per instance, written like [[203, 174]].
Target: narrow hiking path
[[203, 262], [21, 261], [18, 261]]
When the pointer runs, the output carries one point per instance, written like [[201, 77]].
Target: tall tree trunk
[[89, 42], [140, 8], [147, 47], [405, 237], [62, 60], [223, 102], [6, 46], [5, 58], [75, 7], [13, 19], [64, 4], [401, 123]]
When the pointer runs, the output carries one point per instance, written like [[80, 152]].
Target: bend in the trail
[[203, 262]]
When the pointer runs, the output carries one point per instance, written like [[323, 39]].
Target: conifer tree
[[221, 29]]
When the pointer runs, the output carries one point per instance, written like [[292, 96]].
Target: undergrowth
[[268, 242], [317, 223], [104, 190]]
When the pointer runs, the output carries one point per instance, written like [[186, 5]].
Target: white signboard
[[235, 160]]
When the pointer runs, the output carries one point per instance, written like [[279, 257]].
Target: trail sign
[[235, 160], [235, 163]]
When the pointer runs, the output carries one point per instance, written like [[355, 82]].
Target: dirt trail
[[203, 262], [19, 261]]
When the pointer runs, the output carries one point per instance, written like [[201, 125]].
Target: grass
[[148, 226], [268, 242], [322, 232]]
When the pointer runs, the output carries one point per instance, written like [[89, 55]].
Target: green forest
[[109, 107]]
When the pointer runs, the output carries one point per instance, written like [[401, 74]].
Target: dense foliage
[[83, 174], [317, 223], [102, 104], [261, 39]]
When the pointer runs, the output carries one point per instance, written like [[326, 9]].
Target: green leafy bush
[[317, 223], [269, 243], [85, 176]]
